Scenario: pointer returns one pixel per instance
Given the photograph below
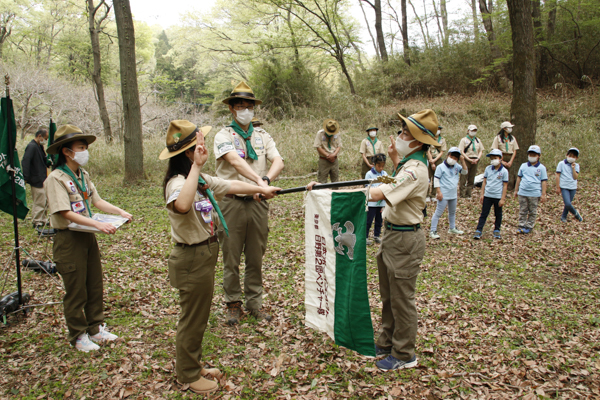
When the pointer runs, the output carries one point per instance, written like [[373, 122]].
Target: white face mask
[[472, 133], [571, 160], [81, 157], [532, 160], [43, 142], [372, 133], [451, 161], [244, 117], [508, 130], [438, 133], [403, 146], [495, 163]]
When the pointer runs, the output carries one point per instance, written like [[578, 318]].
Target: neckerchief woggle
[[247, 137], [81, 186], [373, 144], [212, 200], [418, 155]]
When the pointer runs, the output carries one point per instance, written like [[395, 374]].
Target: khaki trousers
[[248, 223], [399, 262], [365, 168], [38, 211], [77, 259], [192, 272], [328, 169], [466, 181], [432, 191]]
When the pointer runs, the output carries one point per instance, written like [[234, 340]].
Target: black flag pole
[[337, 185]]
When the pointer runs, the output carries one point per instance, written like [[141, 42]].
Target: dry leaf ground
[[516, 318]]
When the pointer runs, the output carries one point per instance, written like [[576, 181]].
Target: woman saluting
[[191, 199], [70, 193]]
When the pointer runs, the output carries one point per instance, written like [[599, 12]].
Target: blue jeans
[[441, 206], [568, 195]]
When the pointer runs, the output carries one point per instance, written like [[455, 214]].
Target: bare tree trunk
[[444, 12], [437, 19], [369, 30], [523, 108], [134, 154], [5, 31], [486, 15], [95, 28], [540, 53], [420, 24], [379, 31], [405, 45], [475, 20]]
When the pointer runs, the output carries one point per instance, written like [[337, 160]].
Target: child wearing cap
[[567, 173], [369, 147], [507, 144], [471, 149], [493, 193], [376, 207], [445, 182], [70, 192], [532, 181], [435, 156]]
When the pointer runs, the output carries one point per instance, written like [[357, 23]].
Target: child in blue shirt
[[376, 207], [445, 182], [493, 193], [567, 173], [532, 180]]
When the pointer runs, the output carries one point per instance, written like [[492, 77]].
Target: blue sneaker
[[391, 363], [521, 230], [477, 235], [497, 235], [578, 216], [382, 351], [526, 231]]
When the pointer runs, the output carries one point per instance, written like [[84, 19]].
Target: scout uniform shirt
[[366, 148], [64, 195], [448, 177], [467, 146], [199, 223], [444, 147], [532, 176], [226, 141], [565, 170], [508, 147], [494, 181], [328, 143], [406, 197]]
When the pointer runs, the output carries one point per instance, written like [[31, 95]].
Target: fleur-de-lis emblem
[[347, 239]]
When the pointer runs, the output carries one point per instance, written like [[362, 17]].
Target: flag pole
[[11, 156], [337, 185]]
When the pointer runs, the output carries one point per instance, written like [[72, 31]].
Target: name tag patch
[[225, 148], [78, 206]]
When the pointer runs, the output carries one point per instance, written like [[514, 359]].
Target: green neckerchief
[[247, 137], [81, 186], [473, 141], [419, 155], [202, 182], [505, 140], [328, 140], [439, 139], [373, 144]]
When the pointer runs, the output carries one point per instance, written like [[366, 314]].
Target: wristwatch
[[266, 178]]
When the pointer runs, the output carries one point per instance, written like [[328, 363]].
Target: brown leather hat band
[[183, 142], [238, 94], [67, 136]]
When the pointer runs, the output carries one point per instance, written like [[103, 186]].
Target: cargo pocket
[[65, 268], [407, 265]]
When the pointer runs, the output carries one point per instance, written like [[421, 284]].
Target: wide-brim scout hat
[[66, 134], [331, 127], [372, 129], [534, 149], [423, 126], [180, 137], [494, 152], [256, 122], [455, 151], [242, 91]]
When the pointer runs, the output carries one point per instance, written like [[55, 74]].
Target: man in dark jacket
[[35, 170]]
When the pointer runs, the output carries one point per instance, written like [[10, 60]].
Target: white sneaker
[[434, 235], [103, 335], [84, 344], [455, 231]]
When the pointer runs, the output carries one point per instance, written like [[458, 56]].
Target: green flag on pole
[[51, 131], [8, 127]]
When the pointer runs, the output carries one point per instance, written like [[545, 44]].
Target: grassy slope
[[498, 319]]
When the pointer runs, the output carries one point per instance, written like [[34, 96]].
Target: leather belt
[[402, 228], [325, 158], [210, 240], [242, 198]]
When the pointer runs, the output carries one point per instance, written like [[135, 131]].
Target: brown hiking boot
[[213, 373], [260, 315], [234, 312], [201, 386]]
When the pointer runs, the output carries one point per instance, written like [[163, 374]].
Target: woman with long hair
[[506, 143]]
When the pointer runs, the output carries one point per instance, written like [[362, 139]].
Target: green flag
[[8, 127], [51, 131]]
